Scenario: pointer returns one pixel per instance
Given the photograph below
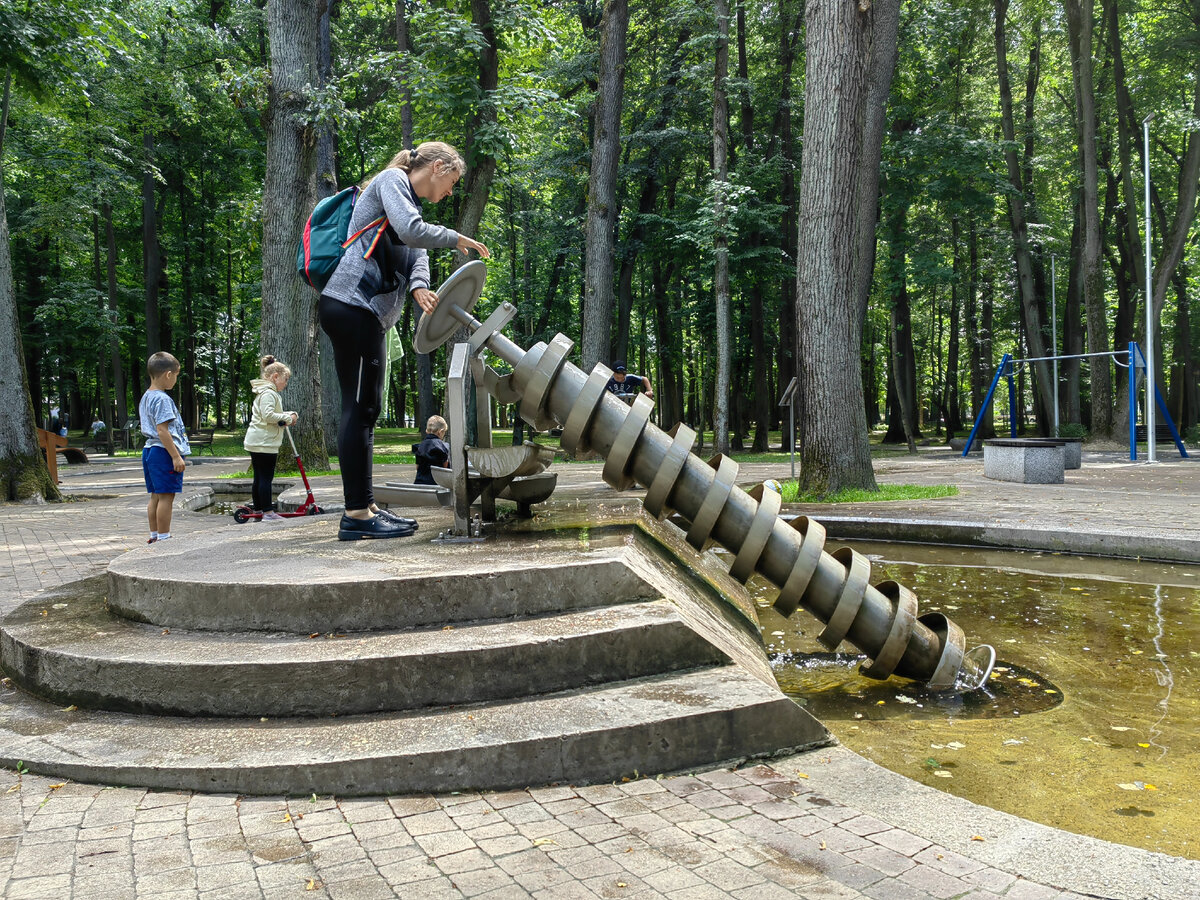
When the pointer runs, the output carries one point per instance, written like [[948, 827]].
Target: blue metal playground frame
[[1137, 361]]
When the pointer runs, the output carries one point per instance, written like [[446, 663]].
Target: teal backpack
[[325, 237]]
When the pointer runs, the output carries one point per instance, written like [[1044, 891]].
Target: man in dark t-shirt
[[625, 384]]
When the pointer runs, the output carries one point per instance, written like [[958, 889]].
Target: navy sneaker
[[402, 520], [374, 527]]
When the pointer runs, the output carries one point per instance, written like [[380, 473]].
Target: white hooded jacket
[[267, 418]]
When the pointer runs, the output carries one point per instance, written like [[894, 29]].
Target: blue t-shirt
[[631, 385], [155, 408]]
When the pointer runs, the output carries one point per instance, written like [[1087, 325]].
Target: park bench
[[199, 438], [51, 445], [1162, 433], [99, 440], [1024, 460]]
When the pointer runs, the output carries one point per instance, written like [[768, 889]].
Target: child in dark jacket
[[433, 450]]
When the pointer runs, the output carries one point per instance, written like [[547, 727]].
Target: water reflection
[[1088, 722]]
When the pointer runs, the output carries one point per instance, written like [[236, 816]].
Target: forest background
[[649, 184]]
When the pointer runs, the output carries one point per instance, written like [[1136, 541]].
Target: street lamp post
[[1149, 348], [1054, 340]]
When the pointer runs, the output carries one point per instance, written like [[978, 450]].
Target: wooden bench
[[199, 438], [51, 445], [1025, 461], [1162, 433]]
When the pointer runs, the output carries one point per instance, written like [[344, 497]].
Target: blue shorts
[[161, 477]]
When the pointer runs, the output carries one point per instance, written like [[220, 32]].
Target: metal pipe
[[1148, 352]]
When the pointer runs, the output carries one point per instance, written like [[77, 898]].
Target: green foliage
[[111, 98], [1072, 430]]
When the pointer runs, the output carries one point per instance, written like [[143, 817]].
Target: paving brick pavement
[[754, 833], [644, 839]]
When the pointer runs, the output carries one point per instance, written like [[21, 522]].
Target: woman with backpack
[[365, 297]]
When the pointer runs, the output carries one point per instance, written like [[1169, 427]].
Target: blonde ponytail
[[423, 155]]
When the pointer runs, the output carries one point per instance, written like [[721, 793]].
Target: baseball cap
[[619, 365]]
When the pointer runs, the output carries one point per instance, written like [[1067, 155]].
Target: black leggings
[[263, 465], [359, 354]]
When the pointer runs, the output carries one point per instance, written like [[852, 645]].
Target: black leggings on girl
[[359, 354], [263, 465]]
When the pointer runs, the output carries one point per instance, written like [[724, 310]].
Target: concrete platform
[[67, 647], [296, 576], [528, 631], [661, 724]]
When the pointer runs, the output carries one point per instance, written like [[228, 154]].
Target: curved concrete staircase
[[278, 660]]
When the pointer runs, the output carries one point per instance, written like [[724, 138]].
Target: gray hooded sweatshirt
[[399, 264]]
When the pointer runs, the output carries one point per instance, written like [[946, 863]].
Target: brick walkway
[[754, 833]]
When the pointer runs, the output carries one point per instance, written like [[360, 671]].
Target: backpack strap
[[381, 224]]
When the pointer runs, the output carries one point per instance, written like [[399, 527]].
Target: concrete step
[[67, 647], [297, 576], [667, 723]]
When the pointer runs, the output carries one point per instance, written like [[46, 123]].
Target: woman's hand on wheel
[[465, 243], [426, 299]]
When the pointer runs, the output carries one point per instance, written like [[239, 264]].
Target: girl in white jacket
[[265, 434]]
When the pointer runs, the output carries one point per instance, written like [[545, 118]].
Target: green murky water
[[226, 504], [1091, 722]]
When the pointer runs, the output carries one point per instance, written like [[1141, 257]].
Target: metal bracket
[[501, 316]]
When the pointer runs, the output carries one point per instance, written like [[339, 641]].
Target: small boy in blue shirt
[[166, 444]]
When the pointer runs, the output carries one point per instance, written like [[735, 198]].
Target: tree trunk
[[884, 50], [1174, 240], [1030, 311], [602, 187], [121, 414], [789, 35], [289, 309], [951, 405], [669, 386], [23, 472], [1091, 278], [327, 186], [904, 357], [720, 238], [151, 257], [425, 404], [188, 407], [481, 165], [648, 198], [836, 452], [1073, 342]]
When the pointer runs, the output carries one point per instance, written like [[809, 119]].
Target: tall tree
[[1016, 198], [327, 185], [602, 186], [720, 133], [884, 50], [836, 452], [1080, 20], [481, 156], [289, 315], [23, 473]]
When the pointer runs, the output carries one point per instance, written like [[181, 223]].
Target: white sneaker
[[272, 516]]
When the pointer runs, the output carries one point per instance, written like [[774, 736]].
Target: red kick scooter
[[244, 514]]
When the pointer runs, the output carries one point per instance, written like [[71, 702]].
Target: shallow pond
[[1091, 721]]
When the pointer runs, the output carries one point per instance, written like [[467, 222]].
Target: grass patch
[[791, 493]]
